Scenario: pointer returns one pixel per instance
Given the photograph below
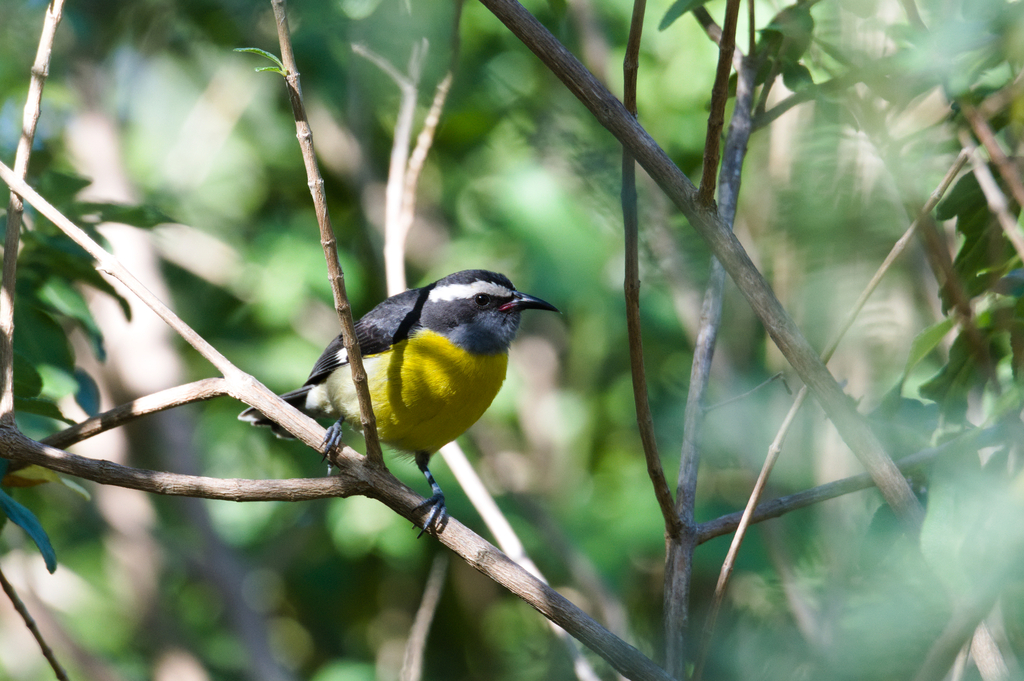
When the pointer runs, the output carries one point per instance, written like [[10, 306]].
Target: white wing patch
[[342, 356], [466, 291]]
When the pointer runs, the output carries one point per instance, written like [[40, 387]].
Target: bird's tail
[[296, 398]]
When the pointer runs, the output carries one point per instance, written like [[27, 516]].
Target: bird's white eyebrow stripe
[[466, 291]]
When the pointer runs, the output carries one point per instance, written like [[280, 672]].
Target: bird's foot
[[436, 515], [332, 445]]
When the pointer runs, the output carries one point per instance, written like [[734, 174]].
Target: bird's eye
[[482, 299]]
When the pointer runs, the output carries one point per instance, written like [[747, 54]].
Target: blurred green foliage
[[522, 180]]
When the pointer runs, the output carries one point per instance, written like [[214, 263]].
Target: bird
[[435, 358]]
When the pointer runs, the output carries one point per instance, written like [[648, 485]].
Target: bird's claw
[[332, 445], [436, 515]]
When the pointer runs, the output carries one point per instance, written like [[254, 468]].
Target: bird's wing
[[376, 331]]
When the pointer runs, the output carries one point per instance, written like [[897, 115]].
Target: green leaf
[[88, 393], [358, 9], [40, 338], [966, 195], [65, 299], [279, 68], [678, 9], [40, 407], [950, 387], [925, 342], [26, 520], [142, 216], [27, 381], [789, 33], [796, 77], [58, 254], [61, 188]]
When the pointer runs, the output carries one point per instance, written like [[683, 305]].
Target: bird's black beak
[[523, 301]]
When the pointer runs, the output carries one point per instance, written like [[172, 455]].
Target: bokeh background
[[148, 105]]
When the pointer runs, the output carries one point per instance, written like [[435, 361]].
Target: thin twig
[[743, 395], [327, 237], [751, 28], [838, 84], [30, 117], [1002, 98], [631, 286], [610, 113], [395, 228], [719, 98], [777, 507], [896, 251], [412, 665], [197, 391], [12, 594], [414, 168], [962, 624]]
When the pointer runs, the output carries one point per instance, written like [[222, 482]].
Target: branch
[[327, 238], [356, 476], [15, 208], [723, 243]]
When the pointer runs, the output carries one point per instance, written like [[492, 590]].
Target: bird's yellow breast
[[426, 391]]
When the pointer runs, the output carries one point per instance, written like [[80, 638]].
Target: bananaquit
[[435, 358]]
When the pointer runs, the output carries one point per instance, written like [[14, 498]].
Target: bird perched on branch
[[435, 358]]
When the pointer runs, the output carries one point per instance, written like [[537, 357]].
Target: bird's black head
[[477, 310]]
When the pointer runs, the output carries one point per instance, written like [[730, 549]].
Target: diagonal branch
[[30, 623], [240, 385], [780, 326], [356, 476]]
